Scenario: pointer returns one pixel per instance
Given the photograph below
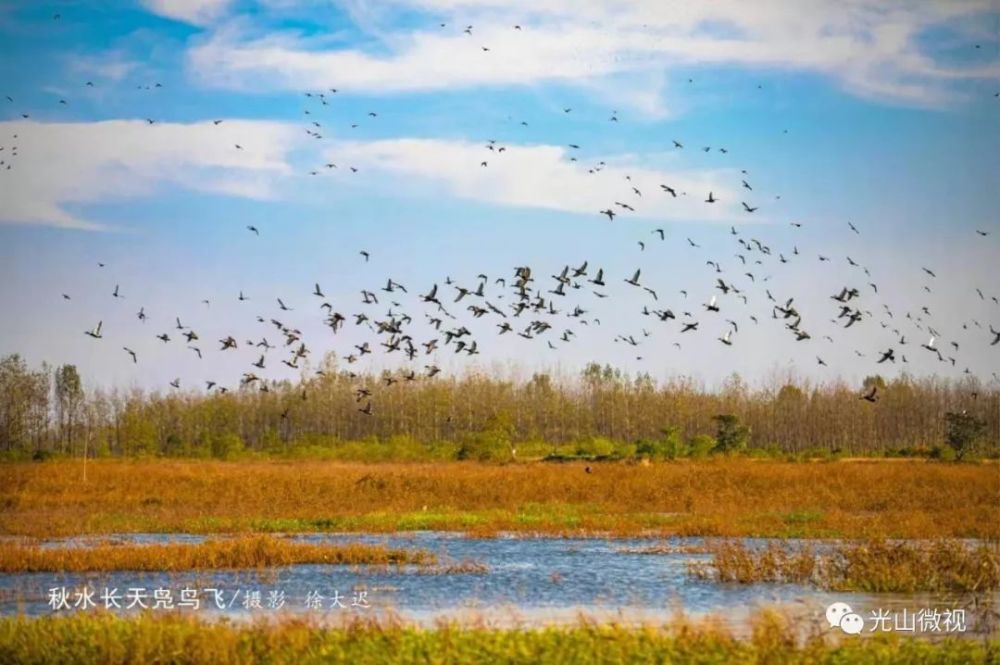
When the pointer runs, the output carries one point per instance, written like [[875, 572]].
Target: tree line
[[47, 411]]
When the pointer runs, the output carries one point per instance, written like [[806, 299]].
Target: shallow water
[[531, 581]]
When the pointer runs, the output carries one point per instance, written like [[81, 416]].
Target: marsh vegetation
[[716, 497]]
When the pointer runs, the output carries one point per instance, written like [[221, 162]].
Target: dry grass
[[876, 566], [464, 567], [175, 638], [661, 549], [723, 497], [240, 552]]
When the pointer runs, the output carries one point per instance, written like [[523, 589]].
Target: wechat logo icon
[[840, 615]]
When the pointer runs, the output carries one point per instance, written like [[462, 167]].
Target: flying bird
[[96, 332], [889, 355]]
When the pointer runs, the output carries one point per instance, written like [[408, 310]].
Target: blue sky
[[883, 114]]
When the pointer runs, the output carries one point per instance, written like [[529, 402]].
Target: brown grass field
[[875, 566], [720, 497], [251, 551], [175, 638]]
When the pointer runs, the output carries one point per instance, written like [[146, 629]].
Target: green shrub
[[596, 447], [491, 444], [943, 453], [962, 432], [226, 445], [669, 446], [730, 436], [770, 451], [173, 446], [701, 445], [41, 456], [625, 450]]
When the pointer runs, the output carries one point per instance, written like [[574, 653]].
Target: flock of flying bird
[[548, 306]]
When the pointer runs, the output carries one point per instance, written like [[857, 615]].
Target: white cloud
[[870, 47], [61, 164], [113, 65], [197, 12], [542, 176]]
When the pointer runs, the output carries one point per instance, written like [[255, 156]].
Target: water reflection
[[530, 581]]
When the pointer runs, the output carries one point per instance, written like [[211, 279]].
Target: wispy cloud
[[113, 65], [543, 176], [62, 164], [870, 47], [197, 12]]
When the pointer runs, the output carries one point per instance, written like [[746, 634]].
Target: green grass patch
[[802, 517]]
